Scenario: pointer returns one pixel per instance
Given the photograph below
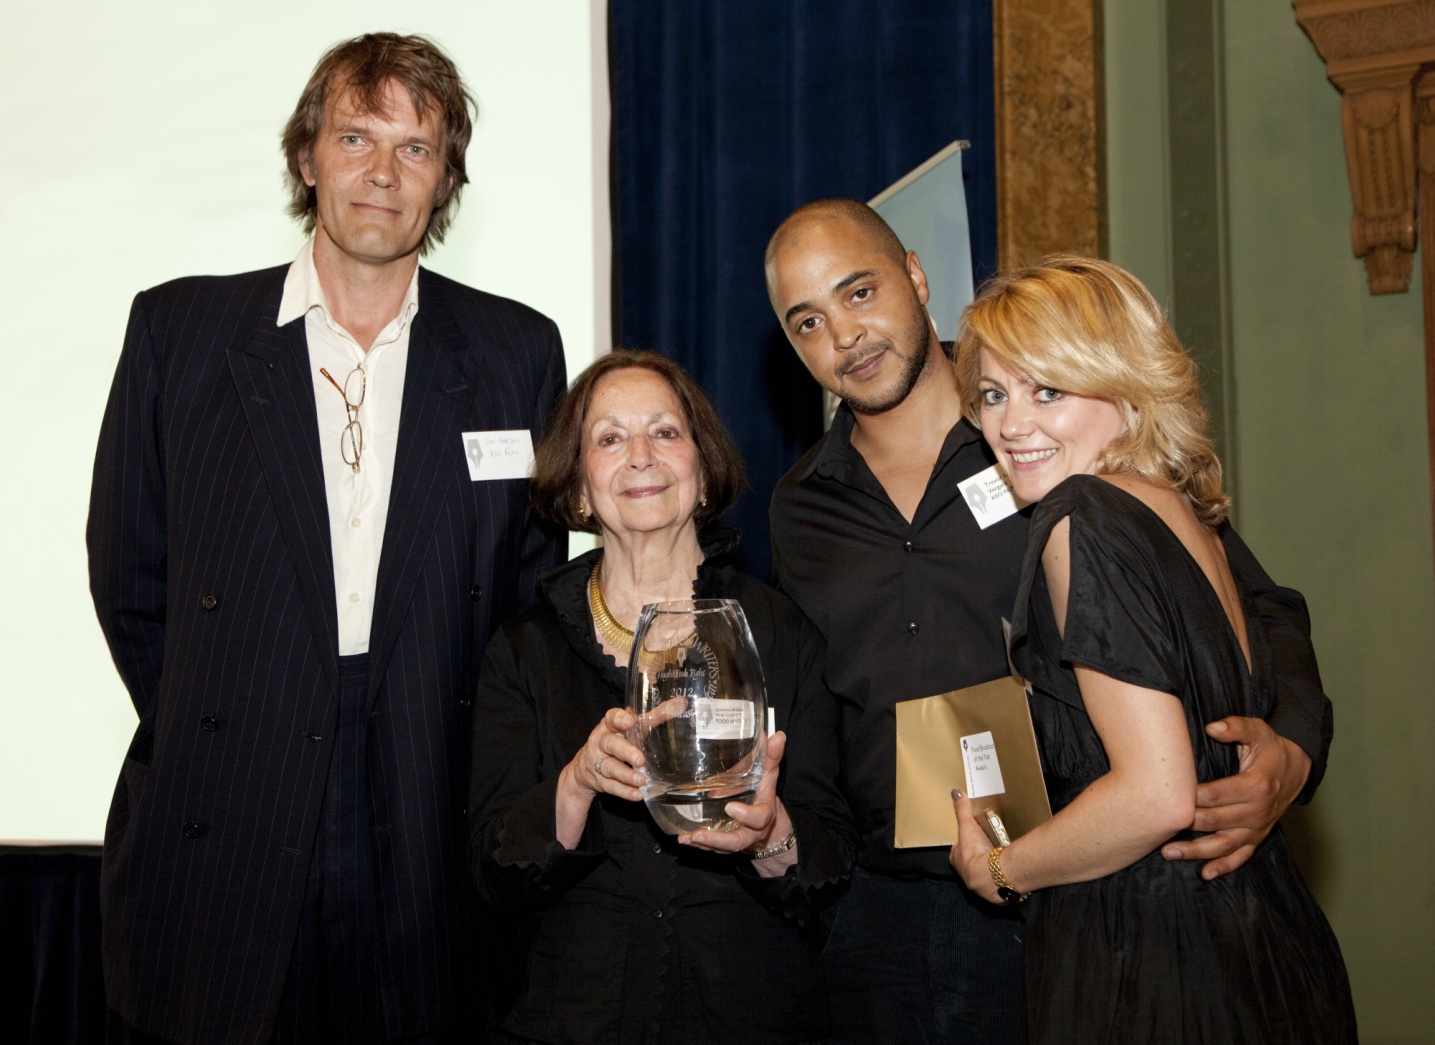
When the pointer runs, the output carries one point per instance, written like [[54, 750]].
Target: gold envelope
[[929, 761]]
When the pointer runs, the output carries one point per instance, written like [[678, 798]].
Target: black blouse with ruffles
[[630, 937]]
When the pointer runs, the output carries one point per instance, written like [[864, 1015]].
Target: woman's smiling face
[[1042, 435], [640, 464]]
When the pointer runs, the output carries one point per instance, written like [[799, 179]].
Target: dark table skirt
[[51, 992]]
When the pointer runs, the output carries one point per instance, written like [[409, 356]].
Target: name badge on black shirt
[[989, 497]]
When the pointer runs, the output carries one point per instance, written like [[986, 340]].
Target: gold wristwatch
[[777, 850]]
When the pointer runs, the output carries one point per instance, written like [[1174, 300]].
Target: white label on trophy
[[724, 719], [988, 496], [984, 772]]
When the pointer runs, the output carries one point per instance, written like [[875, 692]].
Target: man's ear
[[917, 276], [306, 166], [441, 196]]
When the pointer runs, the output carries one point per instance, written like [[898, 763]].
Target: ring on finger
[[598, 765]]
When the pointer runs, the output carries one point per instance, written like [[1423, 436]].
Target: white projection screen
[[142, 146]]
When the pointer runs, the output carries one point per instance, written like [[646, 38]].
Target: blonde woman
[[1134, 631]]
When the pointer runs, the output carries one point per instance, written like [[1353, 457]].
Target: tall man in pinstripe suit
[[297, 566]]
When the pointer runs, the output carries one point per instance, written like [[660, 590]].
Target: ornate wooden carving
[[1373, 52], [1352, 35], [1050, 140], [1380, 54], [1377, 111]]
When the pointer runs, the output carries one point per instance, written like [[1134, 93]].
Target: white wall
[[142, 145]]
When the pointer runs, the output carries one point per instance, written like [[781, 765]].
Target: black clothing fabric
[[1153, 953], [921, 961], [332, 989], [629, 936], [914, 609], [908, 610]]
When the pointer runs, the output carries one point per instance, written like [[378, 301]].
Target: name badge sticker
[[984, 772], [498, 455], [989, 497]]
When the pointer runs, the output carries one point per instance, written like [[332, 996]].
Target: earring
[[703, 501]]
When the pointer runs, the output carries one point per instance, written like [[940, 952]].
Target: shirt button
[[353, 596], [464, 702], [190, 829], [906, 546], [354, 523], [657, 914], [208, 724], [209, 601], [658, 848], [913, 627], [476, 592]]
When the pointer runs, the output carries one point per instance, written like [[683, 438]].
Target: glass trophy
[[695, 684]]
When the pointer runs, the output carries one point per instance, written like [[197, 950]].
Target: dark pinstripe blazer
[[212, 573]]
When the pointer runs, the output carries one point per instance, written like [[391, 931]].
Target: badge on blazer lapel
[[498, 455]]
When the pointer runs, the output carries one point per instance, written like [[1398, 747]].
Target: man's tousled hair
[[365, 65]]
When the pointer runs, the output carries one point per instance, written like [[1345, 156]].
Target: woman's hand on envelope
[[968, 855]]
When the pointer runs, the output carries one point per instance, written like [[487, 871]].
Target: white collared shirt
[[358, 501]]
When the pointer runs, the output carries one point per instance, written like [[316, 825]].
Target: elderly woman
[[1133, 631], [633, 935]]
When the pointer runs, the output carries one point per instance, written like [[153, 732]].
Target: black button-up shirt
[[914, 609], [908, 609]]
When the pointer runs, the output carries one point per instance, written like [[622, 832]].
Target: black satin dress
[[1153, 953]]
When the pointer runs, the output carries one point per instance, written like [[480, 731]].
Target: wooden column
[[1425, 121], [1380, 55], [1050, 136]]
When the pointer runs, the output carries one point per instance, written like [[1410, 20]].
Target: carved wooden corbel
[[1373, 52], [1377, 112], [1380, 55]]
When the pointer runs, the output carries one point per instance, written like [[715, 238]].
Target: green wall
[[1327, 417]]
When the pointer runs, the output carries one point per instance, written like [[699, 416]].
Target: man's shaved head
[[838, 210], [852, 303]]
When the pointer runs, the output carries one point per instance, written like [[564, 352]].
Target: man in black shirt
[[908, 581]]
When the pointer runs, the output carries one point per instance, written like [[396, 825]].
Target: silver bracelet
[[781, 847]]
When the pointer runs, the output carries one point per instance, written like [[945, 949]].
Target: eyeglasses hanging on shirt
[[351, 440]]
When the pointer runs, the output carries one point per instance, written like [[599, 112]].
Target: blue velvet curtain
[[730, 114]]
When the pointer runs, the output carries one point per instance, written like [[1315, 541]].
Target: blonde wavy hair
[[1090, 328]]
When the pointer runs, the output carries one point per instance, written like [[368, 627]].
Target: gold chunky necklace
[[617, 636], [614, 634]]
